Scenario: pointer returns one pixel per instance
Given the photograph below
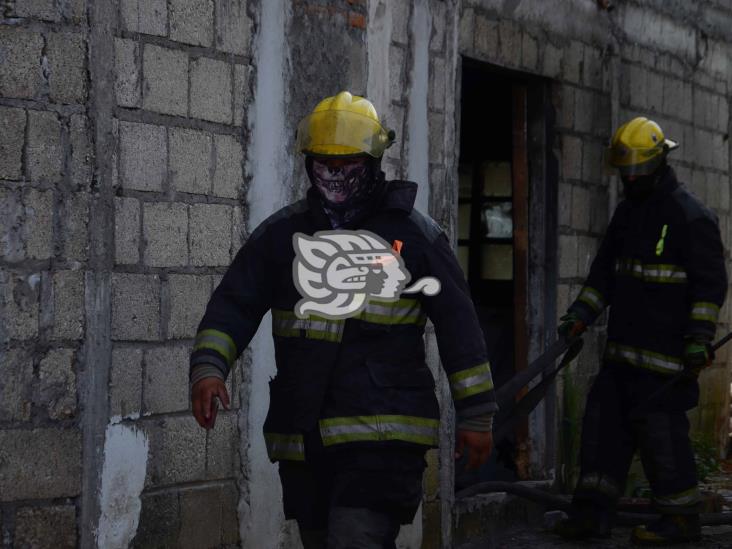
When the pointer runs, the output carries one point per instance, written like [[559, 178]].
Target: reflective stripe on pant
[[610, 438]]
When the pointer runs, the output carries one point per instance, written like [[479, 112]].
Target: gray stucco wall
[[136, 155]]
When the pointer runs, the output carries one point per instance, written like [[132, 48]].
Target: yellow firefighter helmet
[[638, 147]]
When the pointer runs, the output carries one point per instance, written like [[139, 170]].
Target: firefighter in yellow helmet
[[661, 271], [353, 407]]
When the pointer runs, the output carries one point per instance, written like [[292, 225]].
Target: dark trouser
[[611, 435], [355, 498]]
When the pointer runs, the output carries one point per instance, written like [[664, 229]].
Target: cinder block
[[126, 231], [564, 104], [205, 516], [563, 298], [37, 228], [720, 159], [166, 379], [654, 91], [19, 295], [127, 72], [599, 211], [210, 235], [486, 37], [637, 86], [58, 383], [228, 179], [44, 152], [242, 92], [704, 148], [437, 144], [125, 382], [40, 463], [177, 450], [552, 66], [529, 52], [12, 247], [75, 208], [20, 70], [592, 67], [166, 80], [189, 295], [400, 20], [12, 121], [580, 208], [571, 157], [222, 447], [467, 31], [135, 307], [238, 229], [160, 520], [191, 21], [44, 10], [564, 201], [588, 246], [592, 161], [568, 256], [211, 90], [143, 154], [81, 152], [68, 305], [66, 54], [46, 527], [190, 160], [397, 74], [721, 120], [509, 37], [574, 55], [233, 26], [439, 18], [165, 232], [145, 16], [437, 84], [16, 391], [585, 110]]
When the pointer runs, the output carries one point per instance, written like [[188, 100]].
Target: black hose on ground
[[562, 503]]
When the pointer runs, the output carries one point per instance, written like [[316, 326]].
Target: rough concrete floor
[[714, 537]]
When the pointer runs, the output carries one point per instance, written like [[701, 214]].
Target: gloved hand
[[479, 445], [571, 325], [698, 354]]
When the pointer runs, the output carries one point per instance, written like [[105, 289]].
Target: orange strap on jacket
[[397, 246]]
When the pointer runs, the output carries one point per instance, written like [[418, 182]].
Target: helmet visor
[[631, 162], [342, 133]]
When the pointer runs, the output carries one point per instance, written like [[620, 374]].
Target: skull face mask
[[340, 181]]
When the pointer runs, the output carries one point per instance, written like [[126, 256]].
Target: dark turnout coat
[[661, 270], [362, 380]]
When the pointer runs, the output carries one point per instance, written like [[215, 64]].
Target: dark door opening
[[505, 227]]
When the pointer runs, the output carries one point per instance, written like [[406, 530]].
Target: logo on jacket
[[338, 272]]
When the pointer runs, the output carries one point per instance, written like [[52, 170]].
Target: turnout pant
[[354, 498], [611, 433]]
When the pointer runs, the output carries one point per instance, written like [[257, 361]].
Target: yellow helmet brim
[[342, 133]]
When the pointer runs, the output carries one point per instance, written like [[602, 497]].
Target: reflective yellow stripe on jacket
[[217, 341], [592, 298], [283, 446], [418, 430], [402, 311], [643, 358], [465, 383], [659, 273], [703, 310], [287, 324]]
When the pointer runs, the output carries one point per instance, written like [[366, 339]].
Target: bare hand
[[479, 446], [204, 400]]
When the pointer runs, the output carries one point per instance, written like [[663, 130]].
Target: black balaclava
[[644, 185], [348, 191]]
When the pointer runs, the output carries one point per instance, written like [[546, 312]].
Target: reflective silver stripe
[[379, 428], [643, 358], [284, 446], [705, 311], [218, 341], [661, 273], [592, 297], [469, 382], [598, 483], [681, 499], [286, 324], [402, 311]]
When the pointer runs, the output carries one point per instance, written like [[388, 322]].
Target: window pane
[[465, 181], [463, 255], [497, 179], [497, 262], [498, 219], [464, 221]]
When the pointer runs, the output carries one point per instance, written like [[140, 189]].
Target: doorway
[[507, 244]]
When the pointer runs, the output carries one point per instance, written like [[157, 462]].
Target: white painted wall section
[[123, 478], [418, 168], [261, 518]]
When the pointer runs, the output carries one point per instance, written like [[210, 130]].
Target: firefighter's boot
[[590, 522], [667, 530]]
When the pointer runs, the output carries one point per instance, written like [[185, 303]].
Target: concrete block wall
[[45, 178]]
